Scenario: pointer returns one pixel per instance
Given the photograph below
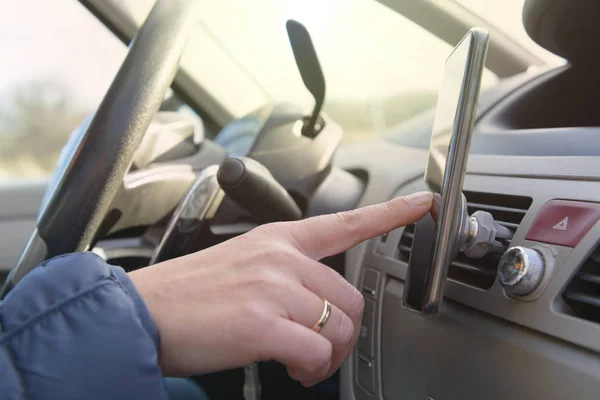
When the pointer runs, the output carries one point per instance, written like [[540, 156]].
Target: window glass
[[59, 61], [380, 68]]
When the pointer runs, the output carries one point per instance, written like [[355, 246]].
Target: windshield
[[380, 68]]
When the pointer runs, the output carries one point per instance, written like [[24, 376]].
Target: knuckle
[[276, 262], [265, 229], [353, 300], [270, 280], [281, 255], [271, 230], [357, 305], [319, 357], [274, 283], [402, 200], [345, 331], [349, 221], [272, 254], [390, 210]]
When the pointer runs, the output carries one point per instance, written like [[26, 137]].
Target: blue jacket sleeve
[[76, 328]]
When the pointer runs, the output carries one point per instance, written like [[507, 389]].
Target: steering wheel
[[93, 170]]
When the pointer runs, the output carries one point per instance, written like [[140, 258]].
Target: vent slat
[[491, 208], [404, 248], [595, 259], [408, 235], [473, 268], [582, 293], [583, 298], [507, 210], [590, 278], [509, 225]]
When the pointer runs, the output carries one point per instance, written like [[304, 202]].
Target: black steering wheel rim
[[94, 171]]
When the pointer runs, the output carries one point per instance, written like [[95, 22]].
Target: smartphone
[[436, 240]]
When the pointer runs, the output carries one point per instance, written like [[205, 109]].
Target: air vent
[[406, 243], [582, 294], [507, 210]]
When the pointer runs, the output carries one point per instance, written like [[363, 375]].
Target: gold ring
[[324, 317]]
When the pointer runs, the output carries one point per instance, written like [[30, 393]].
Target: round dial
[[520, 270]]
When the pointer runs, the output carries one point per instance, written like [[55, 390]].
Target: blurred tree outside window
[[59, 61]]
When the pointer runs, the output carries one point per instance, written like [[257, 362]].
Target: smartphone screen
[[446, 167]]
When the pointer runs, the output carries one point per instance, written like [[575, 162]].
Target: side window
[[59, 61]]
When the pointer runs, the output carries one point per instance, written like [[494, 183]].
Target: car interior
[[140, 181]]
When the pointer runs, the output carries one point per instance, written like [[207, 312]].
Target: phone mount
[[449, 229], [476, 236], [479, 234]]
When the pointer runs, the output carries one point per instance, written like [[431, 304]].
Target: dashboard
[[487, 343]]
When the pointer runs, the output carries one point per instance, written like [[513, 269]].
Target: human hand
[[256, 297]]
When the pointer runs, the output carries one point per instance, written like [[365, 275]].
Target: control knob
[[520, 270]]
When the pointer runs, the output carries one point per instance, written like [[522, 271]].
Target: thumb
[[331, 234]]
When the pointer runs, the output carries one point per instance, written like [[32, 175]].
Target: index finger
[[331, 234]]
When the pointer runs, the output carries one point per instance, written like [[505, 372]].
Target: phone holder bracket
[[480, 234]]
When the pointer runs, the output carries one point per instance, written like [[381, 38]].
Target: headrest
[[568, 28]]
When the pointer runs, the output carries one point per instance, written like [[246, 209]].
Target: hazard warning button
[[564, 222]]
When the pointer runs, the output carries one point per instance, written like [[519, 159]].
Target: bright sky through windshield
[[380, 68], [359, 61], [27, 47], [372, 57], [44, 47]]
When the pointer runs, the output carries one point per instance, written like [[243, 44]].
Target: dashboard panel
[[486, 343], [541, 318]]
